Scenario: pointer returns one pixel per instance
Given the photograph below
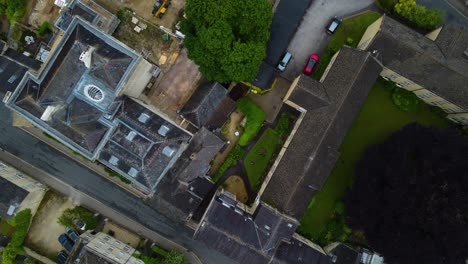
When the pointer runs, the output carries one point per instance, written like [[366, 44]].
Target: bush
[[282, 127], [418, 15], [405, 100], [255, 118], [44, 29], [387, 5], [174, 257], [81, 213], [21, 223], [159, 251]]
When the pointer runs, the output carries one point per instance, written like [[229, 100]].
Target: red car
[[313, 60]]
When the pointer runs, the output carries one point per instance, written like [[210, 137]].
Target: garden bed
[[379, 117]]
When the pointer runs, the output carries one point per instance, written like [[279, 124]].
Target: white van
[[284, 61]]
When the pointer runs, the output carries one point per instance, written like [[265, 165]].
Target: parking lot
[[311, 37]]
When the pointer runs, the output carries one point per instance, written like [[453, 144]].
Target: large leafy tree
[[226, 38], [411, 196]]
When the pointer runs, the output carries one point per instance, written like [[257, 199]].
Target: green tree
[[21, 223], [418, 15], [227, 39], [14, 9], [80, 213]]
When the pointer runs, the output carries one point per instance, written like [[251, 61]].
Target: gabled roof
[[243, 237], [195, 161], [296, 252], [314, 148], [209, 100], [438, 66]]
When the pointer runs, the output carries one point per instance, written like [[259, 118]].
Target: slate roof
[[11, 74], [22, 59], [344, 254], [296, 252], [209, 106], [75, 119], [438, 66], [141, 146], [195, 161], [314, 149], [10, 194], [243, 237], [76, 8]]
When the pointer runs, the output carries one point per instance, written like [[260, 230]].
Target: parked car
[[336, 21], [66, 242], [284, 61], [62, 257], [310, 65], [72, 234]]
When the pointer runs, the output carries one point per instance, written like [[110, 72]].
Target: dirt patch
[[44, 10], [44, 230], [228, 131], [144, 8], [176, 86], [121, 234], [149, 42], [272, 101], [235, 184]]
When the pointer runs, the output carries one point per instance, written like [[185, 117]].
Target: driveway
[[310, 37]]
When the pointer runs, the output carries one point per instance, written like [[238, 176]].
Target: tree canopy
[[419, 15], [13, 9], [227, 39], [410, 196]]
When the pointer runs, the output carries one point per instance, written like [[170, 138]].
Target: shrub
[[236, 154], [282, 127], [405, 100], [21, 224], [159, 251], [81, 213], [174, 257], [44, 29], [418, 15], [255, 118], [387, 5]]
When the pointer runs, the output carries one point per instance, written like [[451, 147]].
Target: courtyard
[[378, 118]]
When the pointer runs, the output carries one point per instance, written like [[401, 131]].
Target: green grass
[[258, 159], [5, 228], [378, 118], [351, 29], [235, 155], [255, 118]]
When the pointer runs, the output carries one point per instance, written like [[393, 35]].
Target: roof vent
[[11, 210], [163, 130], [168, 151], [12, 78], [193, 156], [94, 93], [114, 160], [267, 227], [131, 136], [143, 118], [133, 172]]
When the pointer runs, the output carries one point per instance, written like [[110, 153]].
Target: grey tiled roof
[[314, 149], [208, 100], [11, 74], [243, 237], [296, 252], [195, 161], [10, 194], [438, 66]]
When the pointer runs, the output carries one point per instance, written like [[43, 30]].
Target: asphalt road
[[40, 155], [452, 15], [311, 37]]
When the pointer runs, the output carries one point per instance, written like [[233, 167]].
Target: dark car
[[72, 234], [313, 60], [66, 242], [62, 257], [334, 25]]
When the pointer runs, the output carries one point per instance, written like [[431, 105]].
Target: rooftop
[[439, 66], [11, 74], [10, 195], [143, 145], [297, 252], [208, 106], [329, 109], [76, 91]]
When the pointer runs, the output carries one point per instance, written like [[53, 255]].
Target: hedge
[[21, 223], [235, 155], [255, 118]]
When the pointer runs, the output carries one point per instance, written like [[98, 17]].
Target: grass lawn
[[351, 29], [5, 228], [378, 118]]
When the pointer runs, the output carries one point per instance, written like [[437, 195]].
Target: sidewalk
[[93, 204], [94, 166]]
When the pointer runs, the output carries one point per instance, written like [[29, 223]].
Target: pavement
[[455, 13], [68, 177], [311, 37]]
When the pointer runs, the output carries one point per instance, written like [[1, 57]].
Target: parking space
[[311, 37]]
